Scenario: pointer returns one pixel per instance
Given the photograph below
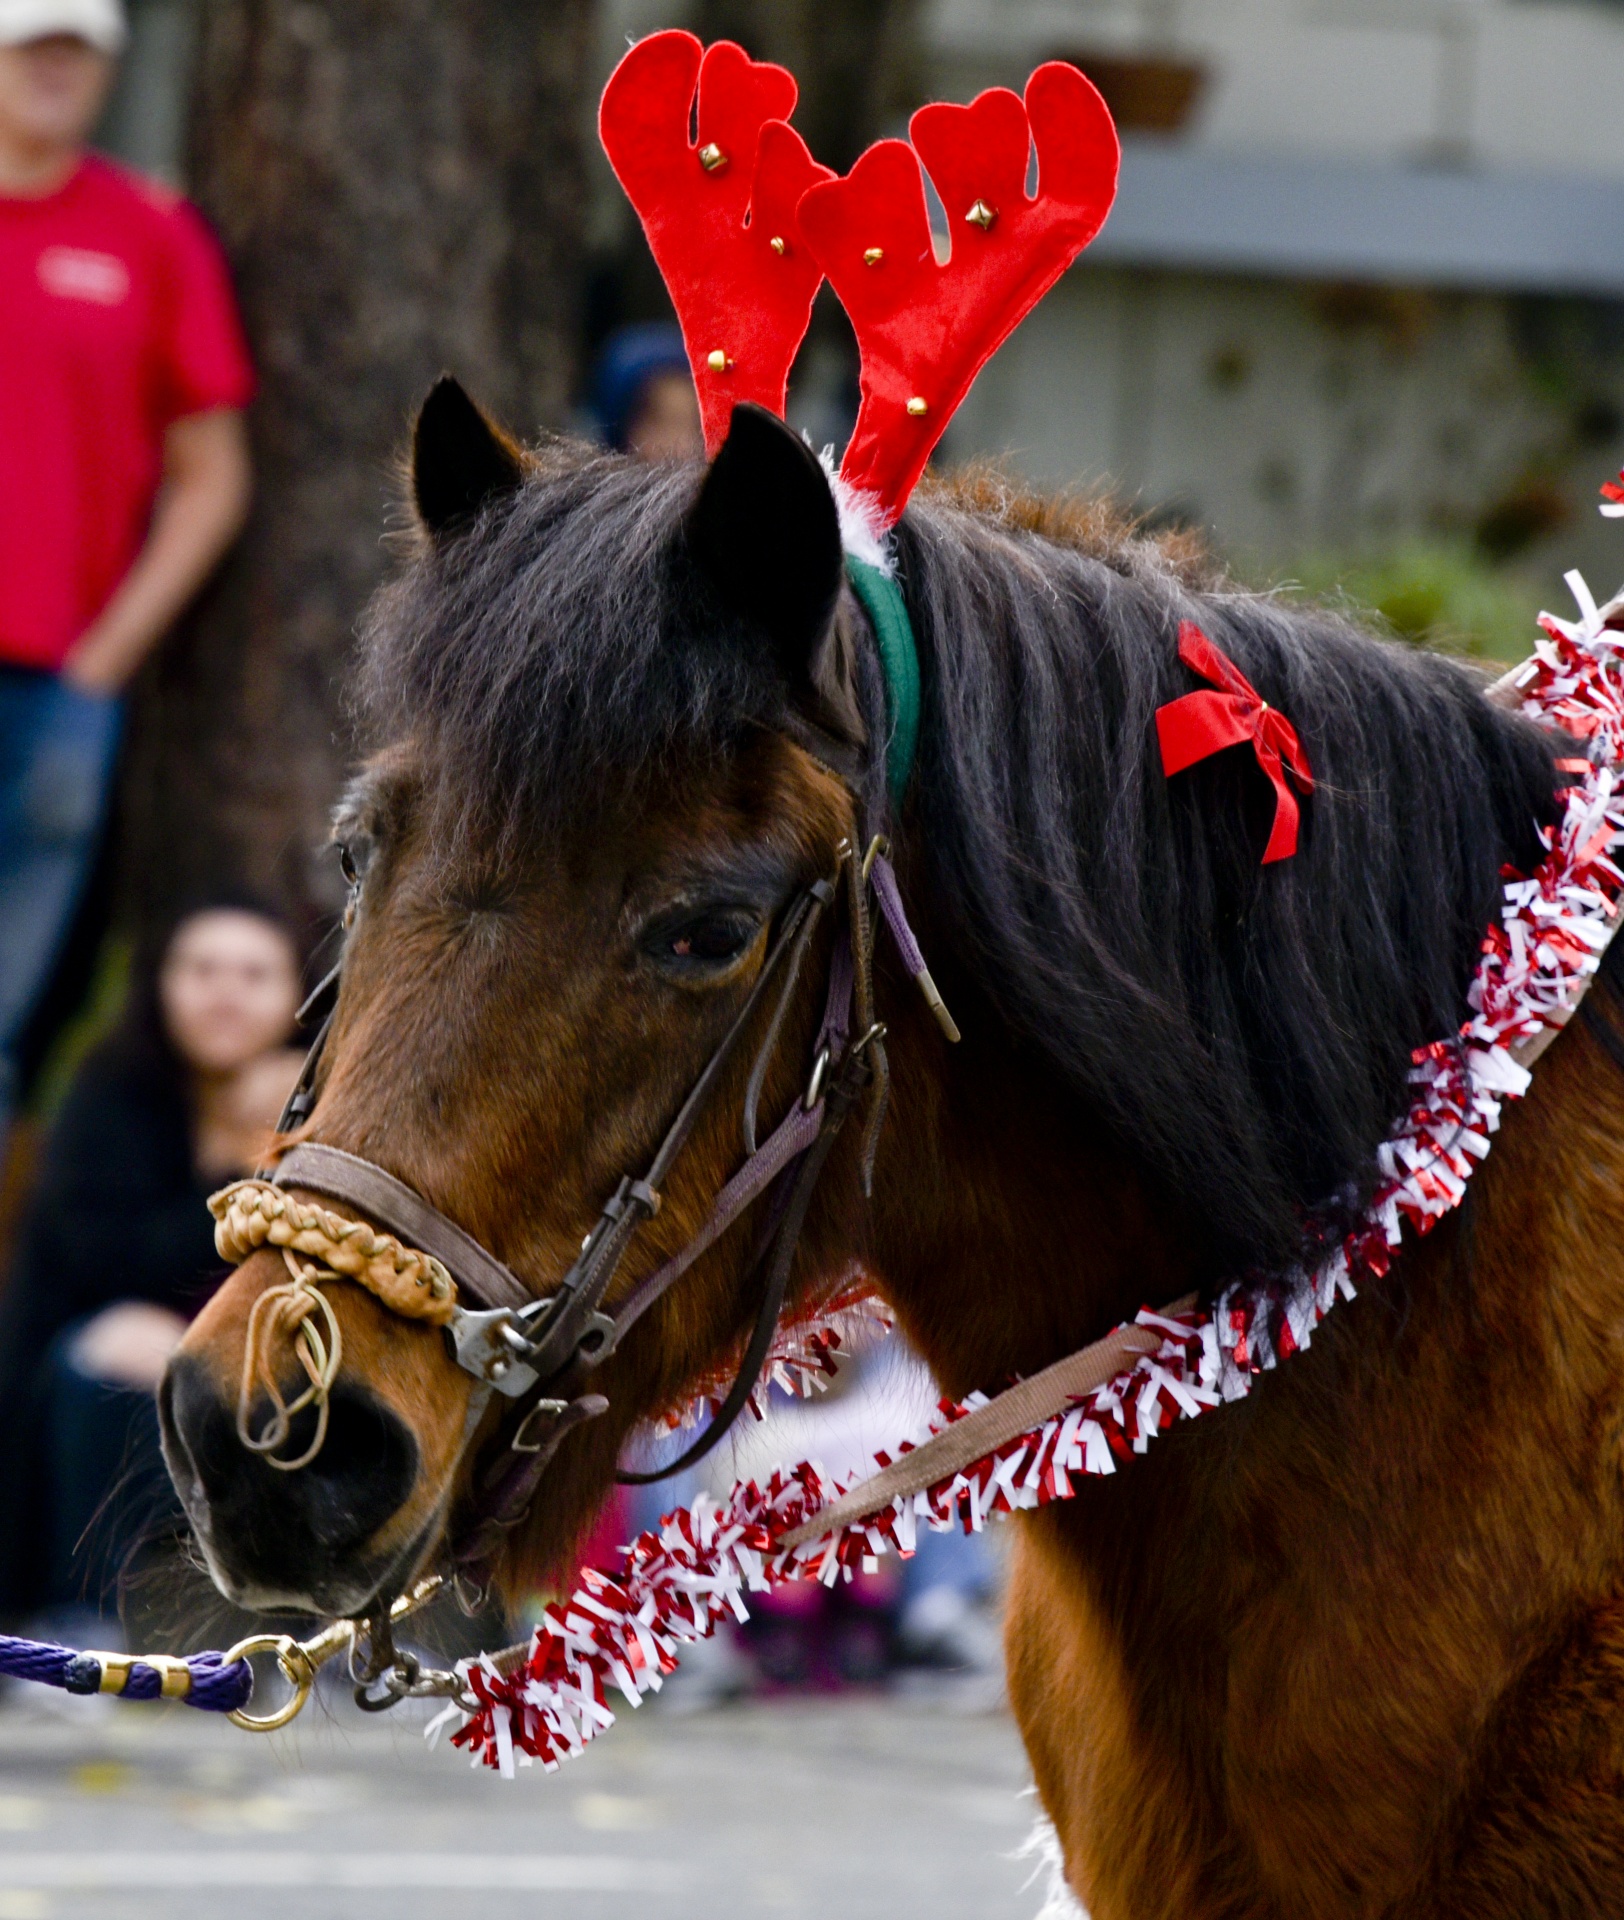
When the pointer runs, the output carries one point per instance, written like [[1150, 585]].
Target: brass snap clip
[[298, 1669], [301, 1660]]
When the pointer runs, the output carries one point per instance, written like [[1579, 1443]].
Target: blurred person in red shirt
[[124, 471]]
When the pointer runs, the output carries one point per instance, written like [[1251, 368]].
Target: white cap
[[101, 22]]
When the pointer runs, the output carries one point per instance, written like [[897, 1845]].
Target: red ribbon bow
[[1200, 724]]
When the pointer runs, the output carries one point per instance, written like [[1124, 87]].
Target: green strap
[[899, 662]]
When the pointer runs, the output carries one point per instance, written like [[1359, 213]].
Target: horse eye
[[709, 940], [355, 856]]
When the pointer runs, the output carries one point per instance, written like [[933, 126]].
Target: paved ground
[[874, 1807]]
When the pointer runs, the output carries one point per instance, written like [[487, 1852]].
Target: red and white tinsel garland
[[679, 1581], [801, 1359]]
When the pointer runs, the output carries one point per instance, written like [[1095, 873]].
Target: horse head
[[568, 877], [646, 736]]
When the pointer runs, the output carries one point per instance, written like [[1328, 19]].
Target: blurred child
[[643, 394]]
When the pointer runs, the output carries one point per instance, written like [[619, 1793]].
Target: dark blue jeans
[[58, 753]]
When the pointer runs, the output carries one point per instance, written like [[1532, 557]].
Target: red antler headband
[[926, 329], [743, 225], [719, 210]]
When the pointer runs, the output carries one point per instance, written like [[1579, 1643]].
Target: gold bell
[[712, 158], [777, 244], [718, 361], [981, 215], [872, 256], [917, 407]]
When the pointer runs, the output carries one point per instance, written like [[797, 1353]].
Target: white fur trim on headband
[[1042, 1846], [863, 530]]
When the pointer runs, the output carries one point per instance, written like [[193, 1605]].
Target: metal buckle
[[495, 1346], [521, 1441], [596, 1342], [864, 1041], [814, 1084], [492, 1345]]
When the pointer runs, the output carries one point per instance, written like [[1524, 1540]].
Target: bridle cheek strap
[[790, 1162]]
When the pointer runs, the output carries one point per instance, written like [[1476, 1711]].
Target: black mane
[[1248, 1027]]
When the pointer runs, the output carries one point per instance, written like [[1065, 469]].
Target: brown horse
[[1352, 1646]]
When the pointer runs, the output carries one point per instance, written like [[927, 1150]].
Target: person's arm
[[200, 511]]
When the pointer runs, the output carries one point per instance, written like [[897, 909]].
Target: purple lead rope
[[211, 1686]]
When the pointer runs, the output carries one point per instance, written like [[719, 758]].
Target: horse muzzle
[[317, 1539]]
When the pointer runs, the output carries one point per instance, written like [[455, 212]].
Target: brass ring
[[296, 1670]]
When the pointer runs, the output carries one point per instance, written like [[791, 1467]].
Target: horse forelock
[[562, 657]]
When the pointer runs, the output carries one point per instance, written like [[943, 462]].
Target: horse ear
[[765, 532], [460, 462]]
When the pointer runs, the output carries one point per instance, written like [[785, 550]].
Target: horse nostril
[[290, 1532], [365, 1468]]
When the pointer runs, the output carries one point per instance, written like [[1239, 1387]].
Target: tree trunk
[[399, 186]]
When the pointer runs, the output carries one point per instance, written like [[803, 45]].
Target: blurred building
[[1364, 282], [1363, 287]]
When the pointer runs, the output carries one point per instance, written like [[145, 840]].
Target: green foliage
[[1431, 593]]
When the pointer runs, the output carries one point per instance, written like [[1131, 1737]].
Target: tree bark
[[399, 185]]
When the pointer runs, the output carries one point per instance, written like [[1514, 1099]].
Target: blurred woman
[[117, 1248]]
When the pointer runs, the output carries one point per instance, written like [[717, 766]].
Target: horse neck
[[1006, 1229]]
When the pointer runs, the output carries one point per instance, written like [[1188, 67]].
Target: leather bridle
[[541, 1353]]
